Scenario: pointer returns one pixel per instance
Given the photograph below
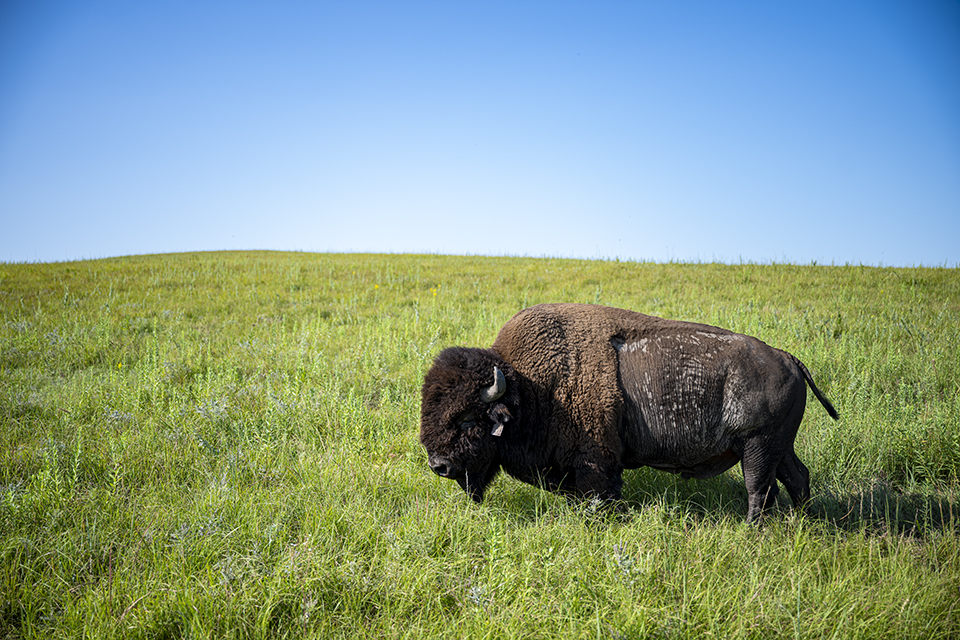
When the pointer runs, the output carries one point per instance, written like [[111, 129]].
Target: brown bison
[[570, 395]]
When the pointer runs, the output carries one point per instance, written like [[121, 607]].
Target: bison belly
[[708, 468]]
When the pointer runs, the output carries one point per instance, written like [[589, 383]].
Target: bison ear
[[500, 415]]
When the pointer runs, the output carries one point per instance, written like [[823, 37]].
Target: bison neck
[[531, 451]]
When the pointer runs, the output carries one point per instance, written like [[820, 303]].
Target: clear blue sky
[[668, 130]]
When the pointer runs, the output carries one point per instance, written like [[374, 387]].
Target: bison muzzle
[[570, 395]]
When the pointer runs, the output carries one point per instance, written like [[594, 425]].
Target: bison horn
[[497, 389]]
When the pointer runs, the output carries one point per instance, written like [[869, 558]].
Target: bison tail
[[816, 391]]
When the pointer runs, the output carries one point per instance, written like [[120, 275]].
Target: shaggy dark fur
[[593, 390]]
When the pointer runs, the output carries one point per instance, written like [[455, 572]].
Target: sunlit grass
[[225, 445]]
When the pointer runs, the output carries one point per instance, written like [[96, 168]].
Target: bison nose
[[440, 466]]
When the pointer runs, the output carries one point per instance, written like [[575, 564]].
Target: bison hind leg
[[760, 500], [760, 476], [795, 476]]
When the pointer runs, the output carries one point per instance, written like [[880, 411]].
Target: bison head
[[468, 403]]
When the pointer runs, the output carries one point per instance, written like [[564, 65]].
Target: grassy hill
[[225, 445]]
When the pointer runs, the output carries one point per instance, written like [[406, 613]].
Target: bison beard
[[569, 396]]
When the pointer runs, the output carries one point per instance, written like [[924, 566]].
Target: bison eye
[[467, 420]]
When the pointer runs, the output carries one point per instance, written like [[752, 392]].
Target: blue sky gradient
[[689, 131]]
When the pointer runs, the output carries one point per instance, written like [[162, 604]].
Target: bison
[[570, 395]]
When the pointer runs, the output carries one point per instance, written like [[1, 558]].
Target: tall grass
[[225, 445]]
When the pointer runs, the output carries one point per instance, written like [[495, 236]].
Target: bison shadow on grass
[[878, 509]]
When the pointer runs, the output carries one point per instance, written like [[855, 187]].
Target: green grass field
[[225, 445]]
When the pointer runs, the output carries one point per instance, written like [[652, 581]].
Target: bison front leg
[[599, 480]]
